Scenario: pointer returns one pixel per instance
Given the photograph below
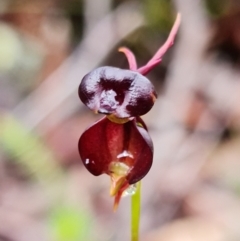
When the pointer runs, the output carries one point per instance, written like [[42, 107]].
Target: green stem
[[136, 206]]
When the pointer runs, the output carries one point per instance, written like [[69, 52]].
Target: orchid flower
[[119, 144]]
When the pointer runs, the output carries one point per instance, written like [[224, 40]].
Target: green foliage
[[70, 224], [28, 150], [216, 7], [159, 14], [66, 222]]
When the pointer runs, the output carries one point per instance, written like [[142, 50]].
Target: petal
[[130, 57], [118, 92], [159, 54], [142, 147], [148, 67], [99, 144], [119, 195], [106, 144]]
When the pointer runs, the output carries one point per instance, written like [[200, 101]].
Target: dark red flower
[[119, 144]]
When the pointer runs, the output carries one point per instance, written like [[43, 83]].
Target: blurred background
[[192, 192]]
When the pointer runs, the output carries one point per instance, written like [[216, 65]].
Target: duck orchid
[[119, 144]]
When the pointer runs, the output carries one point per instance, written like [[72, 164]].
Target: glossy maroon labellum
[[123, 151], [106, 143], [123, 93]]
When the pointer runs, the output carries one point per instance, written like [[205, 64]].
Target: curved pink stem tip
[[130, 57], [162, 50]]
